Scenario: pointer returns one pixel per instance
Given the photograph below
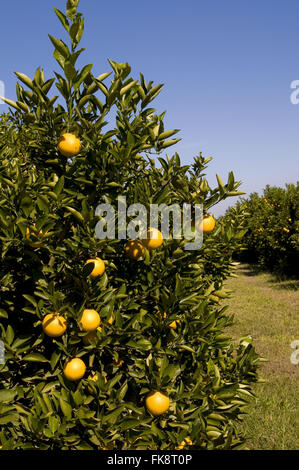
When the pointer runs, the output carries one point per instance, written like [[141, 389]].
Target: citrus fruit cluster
[[55, 325], [134, 249]]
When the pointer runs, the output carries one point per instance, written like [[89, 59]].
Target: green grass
[[268, 310]]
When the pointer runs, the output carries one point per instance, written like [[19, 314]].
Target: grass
[[268, 309]]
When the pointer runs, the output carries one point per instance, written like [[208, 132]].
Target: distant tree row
[[272, 228]]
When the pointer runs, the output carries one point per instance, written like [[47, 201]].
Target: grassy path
[[269, 311]]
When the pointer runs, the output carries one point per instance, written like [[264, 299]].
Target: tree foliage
[[272, 229], [47, 232]]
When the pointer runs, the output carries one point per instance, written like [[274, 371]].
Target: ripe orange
[[134, 249], [54, 325], [154, 239], [99, 267], [207, 224], [172, 324], [186, 441], [33, 235], [90, 320], [69, 145], [74, 369], [157, 403], [117, 364]]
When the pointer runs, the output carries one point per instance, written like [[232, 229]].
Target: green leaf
[[102, 77], [53, 424], [129, 424], [10, 103], [167, 134], [69, 70], [61, 60], [77, 30], [82, 75], [77, 214], [26, 80], [128, 87], [143, 344], [43, 203], [7, 395], [123, 390], [235, 193], [111, 418], [60, 47], [59, 186], [168, 143], [65, 408], [9, 335], [35, 357], [63, 19], [31, 299], [54, 359], [71, 8], [3, 313], [220, 184], [26, 204], [9, 418]]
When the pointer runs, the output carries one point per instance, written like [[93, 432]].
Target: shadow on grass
[[276, 280], [288, 284], [250, 269]]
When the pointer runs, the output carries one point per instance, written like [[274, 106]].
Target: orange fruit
[[117, 364], [207, 224], [33, 235], [90, 320], [90, 336], [74, 369], [186, 441], [54, 325], [172, 324], [99, 267], [134, 249], [154, 239], [69, 145], [157, 403]]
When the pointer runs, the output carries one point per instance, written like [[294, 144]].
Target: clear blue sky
[[226, 65]]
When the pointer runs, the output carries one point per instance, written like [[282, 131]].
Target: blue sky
[[227, 69]]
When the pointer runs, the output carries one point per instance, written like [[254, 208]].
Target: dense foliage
[[47, 232], [272, 224]]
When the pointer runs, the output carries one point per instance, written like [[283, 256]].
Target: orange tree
[[272, 229], [126, 351]]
